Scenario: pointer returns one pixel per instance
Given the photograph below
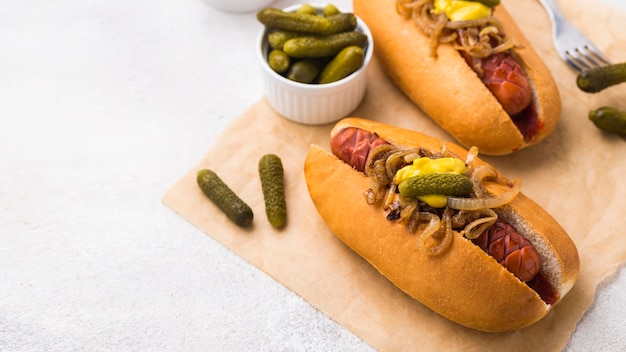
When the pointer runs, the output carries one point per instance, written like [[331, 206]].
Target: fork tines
[[585, 58]]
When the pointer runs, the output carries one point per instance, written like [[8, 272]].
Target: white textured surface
[[103, 105]]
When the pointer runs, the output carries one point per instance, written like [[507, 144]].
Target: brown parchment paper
[[576, 174]]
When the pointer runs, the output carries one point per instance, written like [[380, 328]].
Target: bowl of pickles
[[314, 59]]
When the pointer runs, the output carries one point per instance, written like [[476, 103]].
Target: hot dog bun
[[449, 91], [463, 284]]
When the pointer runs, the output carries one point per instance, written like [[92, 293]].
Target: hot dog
[[491, 91], [492, 260]]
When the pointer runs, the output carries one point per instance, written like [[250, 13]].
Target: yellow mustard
[[458, 10], [426, 166]]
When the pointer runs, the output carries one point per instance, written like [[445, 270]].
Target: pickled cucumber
[[279, 61], [277, 39], [341, 22], [326, 46], [303, 35], [293, 21], [330, 10], [447, 184], [305, 71], [307, 8], [220, 194], [600, 78], [609, 119], [345, 63], [273, 185]]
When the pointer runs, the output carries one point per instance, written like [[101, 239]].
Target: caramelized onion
[[470, 159], [479, 176], [485, 202], [408, 210], [434, 224], [478, 226], [439, 229], [370, 197], [480, 38], [390, 196]]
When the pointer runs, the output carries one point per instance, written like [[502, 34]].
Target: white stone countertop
[[103, 106]]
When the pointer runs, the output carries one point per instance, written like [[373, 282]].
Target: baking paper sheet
[[577, 174]]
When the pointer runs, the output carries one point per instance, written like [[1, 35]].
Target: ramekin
[[314, 104]]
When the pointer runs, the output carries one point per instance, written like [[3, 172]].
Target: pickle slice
[[438, 183]]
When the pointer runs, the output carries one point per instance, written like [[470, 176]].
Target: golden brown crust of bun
[[464, 284], [448, 90]]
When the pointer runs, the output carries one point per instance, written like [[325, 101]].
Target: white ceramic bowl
[[238, 5], [314, 104]]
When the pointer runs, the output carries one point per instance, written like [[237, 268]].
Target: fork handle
[[553, 10]]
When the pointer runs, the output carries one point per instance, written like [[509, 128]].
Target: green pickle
[[225, 199], [305, 71], [307, 8], [599, 78], [277, 39], [303, 42], [342, 22], [345, 63], [326, 46], [447, 184], [609, 119], [273, 185], [279, 61], [330, 10], [293, 21]]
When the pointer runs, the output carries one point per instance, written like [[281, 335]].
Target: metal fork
[[572, 45]]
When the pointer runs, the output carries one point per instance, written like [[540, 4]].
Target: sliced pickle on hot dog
[[436, 183]]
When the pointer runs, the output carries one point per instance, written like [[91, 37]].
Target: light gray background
[[103, 106]]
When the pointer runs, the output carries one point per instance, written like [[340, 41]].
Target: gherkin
[[447, 184], [345, 63], [330, 10], [279, 61], [609, 119], [273, 185], [277, 39], [307, 8], [305, 20], [220, 194], [305, 71], [293, 21], [599, 78], [325, 46]]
